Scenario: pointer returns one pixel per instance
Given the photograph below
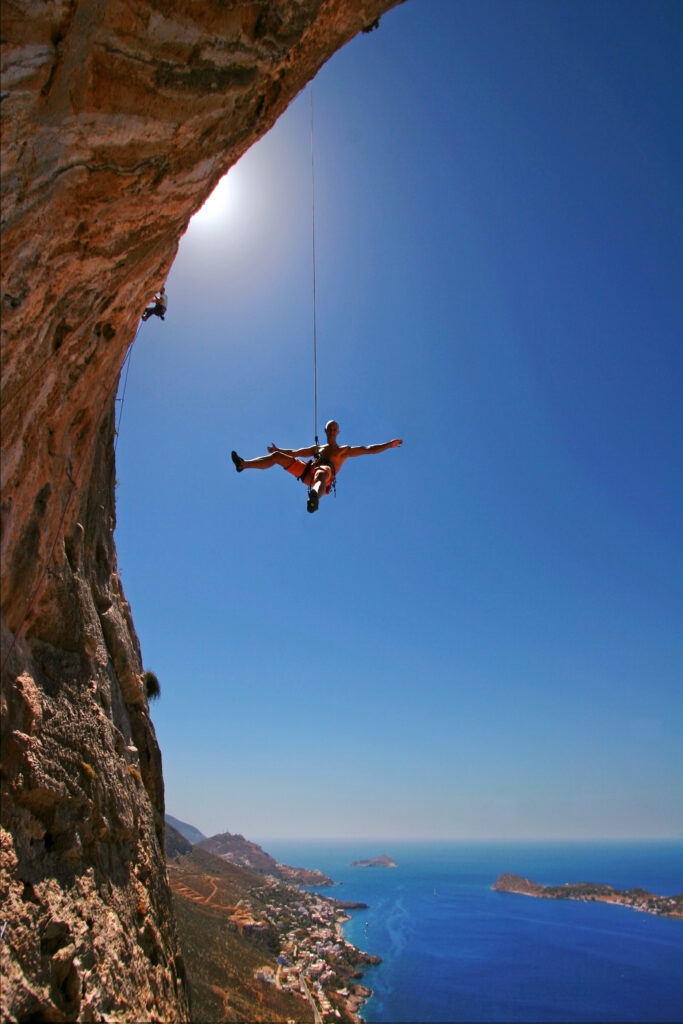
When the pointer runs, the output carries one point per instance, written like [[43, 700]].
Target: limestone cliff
[[118, 119]]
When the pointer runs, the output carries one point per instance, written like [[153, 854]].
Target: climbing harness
[[312, 465]]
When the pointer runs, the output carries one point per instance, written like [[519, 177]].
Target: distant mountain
[[189, 831], [176, 844], [237, 850]]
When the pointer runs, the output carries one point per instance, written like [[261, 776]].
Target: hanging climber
[[320, 472], [160, 302]]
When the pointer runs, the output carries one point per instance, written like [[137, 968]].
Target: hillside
[[258, 949], [192, 834], [223, 945], [235, 849]]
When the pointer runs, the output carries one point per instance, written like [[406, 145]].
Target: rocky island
[[638, 899], [375, 862]]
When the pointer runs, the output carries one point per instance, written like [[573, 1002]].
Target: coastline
[[357, 995], [444, 896]]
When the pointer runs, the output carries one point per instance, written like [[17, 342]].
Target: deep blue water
[[453, 950]]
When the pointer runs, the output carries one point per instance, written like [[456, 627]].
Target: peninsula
[[589, 892], [375, 862]]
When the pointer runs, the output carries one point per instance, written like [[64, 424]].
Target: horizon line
[[466, 839]]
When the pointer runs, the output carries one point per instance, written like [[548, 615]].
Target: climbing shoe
[[239, 463], [312, 503]]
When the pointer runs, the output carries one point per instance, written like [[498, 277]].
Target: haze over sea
[[453, 950]]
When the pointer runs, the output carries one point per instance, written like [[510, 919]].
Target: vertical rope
[[315, 321], [126, 363]]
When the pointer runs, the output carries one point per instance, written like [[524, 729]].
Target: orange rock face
[[118, 119]]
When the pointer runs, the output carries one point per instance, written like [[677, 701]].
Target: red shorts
[[305, 471], [297, 468]]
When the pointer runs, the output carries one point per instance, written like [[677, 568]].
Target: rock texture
[[118, 119]]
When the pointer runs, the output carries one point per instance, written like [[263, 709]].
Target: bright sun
[[219, 206]]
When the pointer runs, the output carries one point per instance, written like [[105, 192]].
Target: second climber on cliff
[[158, 306], [320, 472]]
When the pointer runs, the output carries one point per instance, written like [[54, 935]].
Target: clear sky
[[480, 636]]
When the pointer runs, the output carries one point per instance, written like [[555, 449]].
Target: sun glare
[[220, 205]]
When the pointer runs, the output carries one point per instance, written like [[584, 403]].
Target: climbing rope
[[315, 316], [315, 319], [126, 363]]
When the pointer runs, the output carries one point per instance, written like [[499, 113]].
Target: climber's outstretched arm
[[350, 451]]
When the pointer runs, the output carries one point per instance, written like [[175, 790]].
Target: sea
[[454, 950]]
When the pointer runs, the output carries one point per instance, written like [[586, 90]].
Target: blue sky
[[480, 636]]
